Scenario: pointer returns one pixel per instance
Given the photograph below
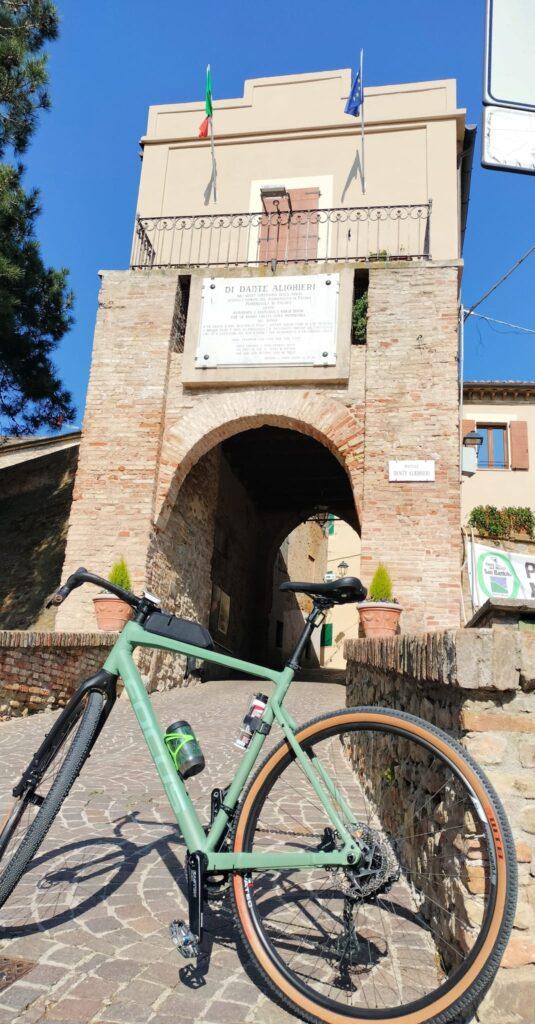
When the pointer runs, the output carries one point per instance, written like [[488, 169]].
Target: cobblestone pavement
[[92, 915]]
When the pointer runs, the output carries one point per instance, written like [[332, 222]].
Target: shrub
[[381, 585], [490, 521], [119, 575], [359, 320]]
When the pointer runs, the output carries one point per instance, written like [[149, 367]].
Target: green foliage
[[381, 585], [35, 303], [490, 521], [359, 319], [119, 575], [25, 26], [35, 313]]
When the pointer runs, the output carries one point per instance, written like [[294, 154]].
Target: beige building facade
[[503, 412], [197, 472]]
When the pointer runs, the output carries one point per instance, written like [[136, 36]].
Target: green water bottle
[[184, 748]]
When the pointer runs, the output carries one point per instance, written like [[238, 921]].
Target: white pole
[[214, 166], [362, 121]]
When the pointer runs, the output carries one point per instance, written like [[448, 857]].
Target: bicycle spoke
[[381, 952]]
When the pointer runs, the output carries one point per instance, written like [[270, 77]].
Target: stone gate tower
[[235, 386]]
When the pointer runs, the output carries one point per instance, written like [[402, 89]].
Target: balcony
[[340, 235]]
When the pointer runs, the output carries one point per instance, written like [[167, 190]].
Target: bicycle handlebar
[[83, 576]]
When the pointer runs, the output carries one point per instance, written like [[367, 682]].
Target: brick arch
[[217, 417]]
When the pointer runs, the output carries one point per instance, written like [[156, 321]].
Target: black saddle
[[345, 591]]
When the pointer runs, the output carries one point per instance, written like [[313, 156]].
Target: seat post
[[318, 608]]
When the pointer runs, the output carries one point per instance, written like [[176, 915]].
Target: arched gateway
[[212, 421], [253, 368]]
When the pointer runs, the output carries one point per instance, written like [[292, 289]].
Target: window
[[493, 453], [279, 632]]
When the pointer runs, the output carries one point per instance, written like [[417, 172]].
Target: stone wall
[[477, 685], [35, 504], [40, 671]]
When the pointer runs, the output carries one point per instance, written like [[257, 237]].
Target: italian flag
[[206, 126]]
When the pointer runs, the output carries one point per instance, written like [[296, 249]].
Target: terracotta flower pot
[[111, 612], [379, 618]]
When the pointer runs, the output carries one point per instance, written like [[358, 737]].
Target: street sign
[[509, 139], [411, 470], [508, 136]]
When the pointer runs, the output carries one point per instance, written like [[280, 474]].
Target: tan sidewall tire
[[420, 730]]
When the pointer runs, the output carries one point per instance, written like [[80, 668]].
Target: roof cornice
[[498, 390]]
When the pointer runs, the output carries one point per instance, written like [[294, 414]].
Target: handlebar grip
[[63, 592]]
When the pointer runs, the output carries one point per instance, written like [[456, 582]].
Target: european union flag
[[355, 96]]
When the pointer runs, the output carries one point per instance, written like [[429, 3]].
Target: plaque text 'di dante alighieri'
[[258, 321]]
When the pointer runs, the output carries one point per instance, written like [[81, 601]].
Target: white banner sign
[[256, 321], [411, 470], [496, 573]]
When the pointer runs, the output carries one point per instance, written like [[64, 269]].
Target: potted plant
[[379, 614], [111, 612]]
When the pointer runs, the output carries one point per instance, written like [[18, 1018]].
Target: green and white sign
[[496, 573]]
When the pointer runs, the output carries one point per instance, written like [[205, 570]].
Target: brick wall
[[114, 491], [412, 413], [145, 430], [477, 685], [40, 671]]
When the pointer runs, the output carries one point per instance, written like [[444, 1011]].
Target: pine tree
[[35, 303]]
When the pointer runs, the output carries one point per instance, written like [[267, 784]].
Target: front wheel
[[54, 769], [415, 932]]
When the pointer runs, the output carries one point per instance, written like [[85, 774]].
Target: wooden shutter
[[518, 433], [288, 231], [303, 228], [468, 425]]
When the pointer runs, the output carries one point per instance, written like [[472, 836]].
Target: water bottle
[[256, 708], [184, 748]]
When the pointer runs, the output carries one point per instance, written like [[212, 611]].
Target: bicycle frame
[[120, 662]]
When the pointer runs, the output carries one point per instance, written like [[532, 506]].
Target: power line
[[468, 312], [506, 323]]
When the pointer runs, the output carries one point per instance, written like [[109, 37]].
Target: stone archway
[[196, 525], [217, 417]]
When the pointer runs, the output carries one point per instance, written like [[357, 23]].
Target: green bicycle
[[370, 864]]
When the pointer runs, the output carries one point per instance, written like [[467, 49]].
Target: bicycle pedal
[[184, 940]]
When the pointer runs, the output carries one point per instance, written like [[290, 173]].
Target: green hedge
[[490, 521]]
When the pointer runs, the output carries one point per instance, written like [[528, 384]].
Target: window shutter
[[327, 634], [518, 431], [468, 425], [289, 228]]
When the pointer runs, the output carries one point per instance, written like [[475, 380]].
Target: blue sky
[[115, 57]]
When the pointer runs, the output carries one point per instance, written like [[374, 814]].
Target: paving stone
[[111, 879], [73, 1010], [19, 996]]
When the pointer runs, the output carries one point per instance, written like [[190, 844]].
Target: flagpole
[[214, 166], [362, 122]]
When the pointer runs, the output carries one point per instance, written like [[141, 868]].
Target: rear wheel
[[416, 931], [29, 815]]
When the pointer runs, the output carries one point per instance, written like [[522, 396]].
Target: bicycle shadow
[[114, 865]]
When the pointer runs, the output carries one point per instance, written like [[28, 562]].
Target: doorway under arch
[[213, 559]]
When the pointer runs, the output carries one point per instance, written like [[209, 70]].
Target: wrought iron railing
[[247, 239]]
